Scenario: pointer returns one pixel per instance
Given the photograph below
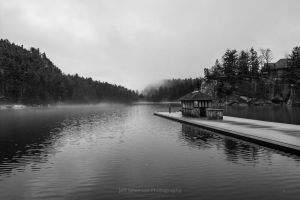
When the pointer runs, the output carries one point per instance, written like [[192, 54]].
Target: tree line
[[29, 76], [237, 68], [172, 89], [234, 72], [236, 65]]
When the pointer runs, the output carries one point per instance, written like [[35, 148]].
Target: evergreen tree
[[217, 70], [294, 58], [243, 64], [294, 63], [230, 63], [254, 63]]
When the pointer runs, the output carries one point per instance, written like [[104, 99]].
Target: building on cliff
[[280, 68]]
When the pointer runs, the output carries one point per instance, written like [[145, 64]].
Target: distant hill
[[29, 77], [171, 89]]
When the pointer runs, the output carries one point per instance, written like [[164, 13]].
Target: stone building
[[195, 104]]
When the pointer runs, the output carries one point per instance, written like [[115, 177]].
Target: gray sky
[[137, 42]]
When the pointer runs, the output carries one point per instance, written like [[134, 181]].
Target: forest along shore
[[29, 77]]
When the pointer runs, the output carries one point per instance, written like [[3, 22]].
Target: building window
[[201, 104], [196, 104]]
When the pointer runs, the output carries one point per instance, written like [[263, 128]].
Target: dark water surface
[[125, 152], [276, 113]]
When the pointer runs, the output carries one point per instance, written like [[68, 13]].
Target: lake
[[114, 151]]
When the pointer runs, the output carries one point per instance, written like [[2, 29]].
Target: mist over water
[[114, 151]]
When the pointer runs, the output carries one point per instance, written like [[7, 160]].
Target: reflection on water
[[122, 151], [26, 140], [199, 138], [234, 149]]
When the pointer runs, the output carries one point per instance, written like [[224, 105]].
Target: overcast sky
[[137, 42]]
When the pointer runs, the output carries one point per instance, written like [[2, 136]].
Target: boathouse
[[195, 104]]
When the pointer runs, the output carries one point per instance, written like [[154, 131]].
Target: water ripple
[[93, 152]]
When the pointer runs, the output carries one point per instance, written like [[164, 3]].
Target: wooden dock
[[279, 136]]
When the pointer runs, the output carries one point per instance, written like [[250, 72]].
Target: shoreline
[[12, 106]]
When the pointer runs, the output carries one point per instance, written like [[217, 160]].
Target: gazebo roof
[[196, 95]]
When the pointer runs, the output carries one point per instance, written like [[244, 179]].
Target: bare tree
[[266, 57]]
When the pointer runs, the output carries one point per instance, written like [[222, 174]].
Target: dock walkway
[[280, 136]]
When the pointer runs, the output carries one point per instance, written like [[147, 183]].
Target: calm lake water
[[125, 152]]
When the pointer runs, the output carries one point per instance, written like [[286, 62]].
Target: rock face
[[257, 92], [292, 98]]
